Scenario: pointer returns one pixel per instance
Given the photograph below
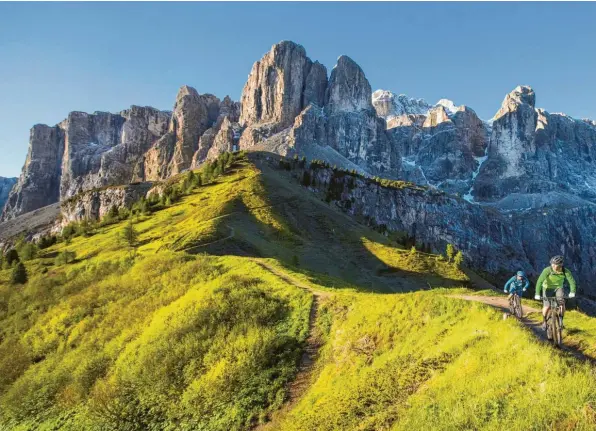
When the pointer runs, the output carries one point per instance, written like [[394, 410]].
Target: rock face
[[332, 119], [104, 149], [442, 147], [532, 151], [279, 87], [6, 185], [39, 183], [91, 151], [389, 105], [490, 240], [94, 204]]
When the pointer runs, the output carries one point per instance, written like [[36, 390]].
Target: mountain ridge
[[290, 106]]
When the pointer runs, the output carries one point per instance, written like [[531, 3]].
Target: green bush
[[65, 257]]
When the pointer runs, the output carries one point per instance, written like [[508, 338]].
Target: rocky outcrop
[[390, 105], [533, 151], [279, 87], [491, 241], [6, 185], [193, 115], [94, 204], [222, 136], [443, 147], [39, 183], [342, 125], [104, 149], [92, 151]]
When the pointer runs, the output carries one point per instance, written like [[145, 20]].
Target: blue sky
[[61, 57]]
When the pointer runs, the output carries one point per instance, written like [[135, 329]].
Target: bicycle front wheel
[[518, 307], [557, 335]]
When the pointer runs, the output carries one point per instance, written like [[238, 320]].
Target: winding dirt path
[[304, 376], [502, 303]]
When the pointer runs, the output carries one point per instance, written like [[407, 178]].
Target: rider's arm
[[571, 281], [526, 284], [541, 280], [506, 288]]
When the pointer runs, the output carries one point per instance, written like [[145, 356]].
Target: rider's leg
[[560, 294], [545, 307]]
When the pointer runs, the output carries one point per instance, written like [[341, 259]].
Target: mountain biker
[[552, 281], [517, 284]]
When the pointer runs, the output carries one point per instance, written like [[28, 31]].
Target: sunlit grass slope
[[190, 332], [423, 361]]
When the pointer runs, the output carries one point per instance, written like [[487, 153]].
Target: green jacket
[[551, 281]]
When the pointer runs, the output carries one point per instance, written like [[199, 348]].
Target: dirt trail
[[503, 304], [306, 367]]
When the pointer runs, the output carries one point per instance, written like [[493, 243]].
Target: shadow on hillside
[[308, 236]]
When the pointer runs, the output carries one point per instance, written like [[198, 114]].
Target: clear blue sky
[[61, 57]]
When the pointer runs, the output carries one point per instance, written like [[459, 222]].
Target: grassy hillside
[[195, 328], [426, 361]]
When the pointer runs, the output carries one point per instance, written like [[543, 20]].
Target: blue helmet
[[521, 274]]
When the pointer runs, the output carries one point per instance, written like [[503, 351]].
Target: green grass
[[425, 361], [190, 332], [579, 332]]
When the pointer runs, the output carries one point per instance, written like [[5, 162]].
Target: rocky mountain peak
[[389, 105], [448, 105], [273, 91], [436, 116], [348, 89], [521, 96]]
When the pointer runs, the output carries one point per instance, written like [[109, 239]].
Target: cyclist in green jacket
[[551, 282]]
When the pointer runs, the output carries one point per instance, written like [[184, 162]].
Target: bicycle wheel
[[549, 326], [518, 307], [557, 335]]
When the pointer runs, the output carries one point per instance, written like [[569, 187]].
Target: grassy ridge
[[192, 333]]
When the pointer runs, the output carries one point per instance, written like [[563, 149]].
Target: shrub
[[46, 241], [65, 257], [28, 251]]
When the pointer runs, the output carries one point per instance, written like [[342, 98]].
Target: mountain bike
[[554, 319], [515, 307]]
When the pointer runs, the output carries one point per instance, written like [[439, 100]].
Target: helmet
[[557, 260], [521, 274]]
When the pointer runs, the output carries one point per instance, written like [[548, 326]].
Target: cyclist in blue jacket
[[519, 283]]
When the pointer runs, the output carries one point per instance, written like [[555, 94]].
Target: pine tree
[[129, 234], [11, 256], [306, 179], [458, 260], [19, 274], [449, 252]]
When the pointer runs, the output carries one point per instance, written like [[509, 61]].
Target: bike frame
[[512, 304]]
